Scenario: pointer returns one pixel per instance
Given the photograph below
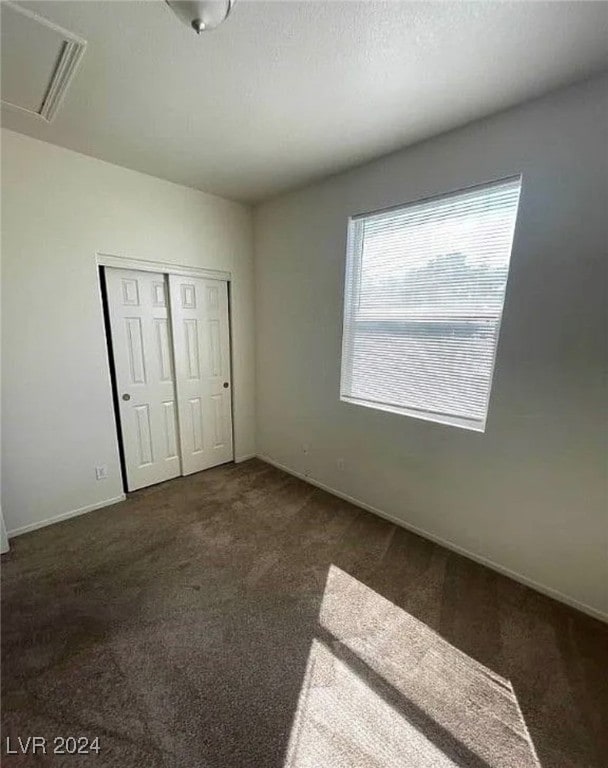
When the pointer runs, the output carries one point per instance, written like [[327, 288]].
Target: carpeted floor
[[240, 617]]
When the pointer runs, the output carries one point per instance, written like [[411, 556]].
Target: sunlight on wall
[[382, 689]]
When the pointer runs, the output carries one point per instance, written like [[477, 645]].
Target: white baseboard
[[4, 547], [64, 516], [549, 591], [245, 457]]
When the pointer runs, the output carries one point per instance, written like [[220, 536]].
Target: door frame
[[103, 260], [145, 265]]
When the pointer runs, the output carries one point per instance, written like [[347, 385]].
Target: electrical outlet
[[101, 473], [340, 463]]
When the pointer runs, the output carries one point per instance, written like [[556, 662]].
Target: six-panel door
[[143, 359], [201, 338]]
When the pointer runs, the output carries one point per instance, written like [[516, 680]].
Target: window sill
[[438, 418]]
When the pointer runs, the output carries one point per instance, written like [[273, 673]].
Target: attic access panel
[[39, 59]]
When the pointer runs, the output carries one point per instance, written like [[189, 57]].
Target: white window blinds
[[423, 298]]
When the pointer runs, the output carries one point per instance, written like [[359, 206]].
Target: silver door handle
[[126, 396]]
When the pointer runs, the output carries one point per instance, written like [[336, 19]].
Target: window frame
[[351, 288]]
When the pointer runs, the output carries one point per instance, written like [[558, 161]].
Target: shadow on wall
[[241, 618]]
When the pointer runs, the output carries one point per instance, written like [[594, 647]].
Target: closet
[[170, 342]]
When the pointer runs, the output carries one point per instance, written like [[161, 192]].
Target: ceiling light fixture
[[201, 15]]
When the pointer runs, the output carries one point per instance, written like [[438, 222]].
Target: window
[[424, 291]]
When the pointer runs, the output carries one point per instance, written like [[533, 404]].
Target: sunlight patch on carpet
[[382, 690]]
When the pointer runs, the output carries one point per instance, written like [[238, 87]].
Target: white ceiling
[[285, 92]]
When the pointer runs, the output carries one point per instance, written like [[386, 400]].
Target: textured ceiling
[[285, 92]]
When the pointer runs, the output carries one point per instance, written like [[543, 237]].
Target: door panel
[[201, 338], [143, 359]]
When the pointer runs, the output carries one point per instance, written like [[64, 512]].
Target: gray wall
[[529, 495]]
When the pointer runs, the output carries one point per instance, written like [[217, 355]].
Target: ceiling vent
[[39, 60]]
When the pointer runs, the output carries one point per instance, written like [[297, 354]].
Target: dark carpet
[[240, 617]]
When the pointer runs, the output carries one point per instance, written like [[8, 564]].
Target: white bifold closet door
[[201, 337], [171, 350]]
